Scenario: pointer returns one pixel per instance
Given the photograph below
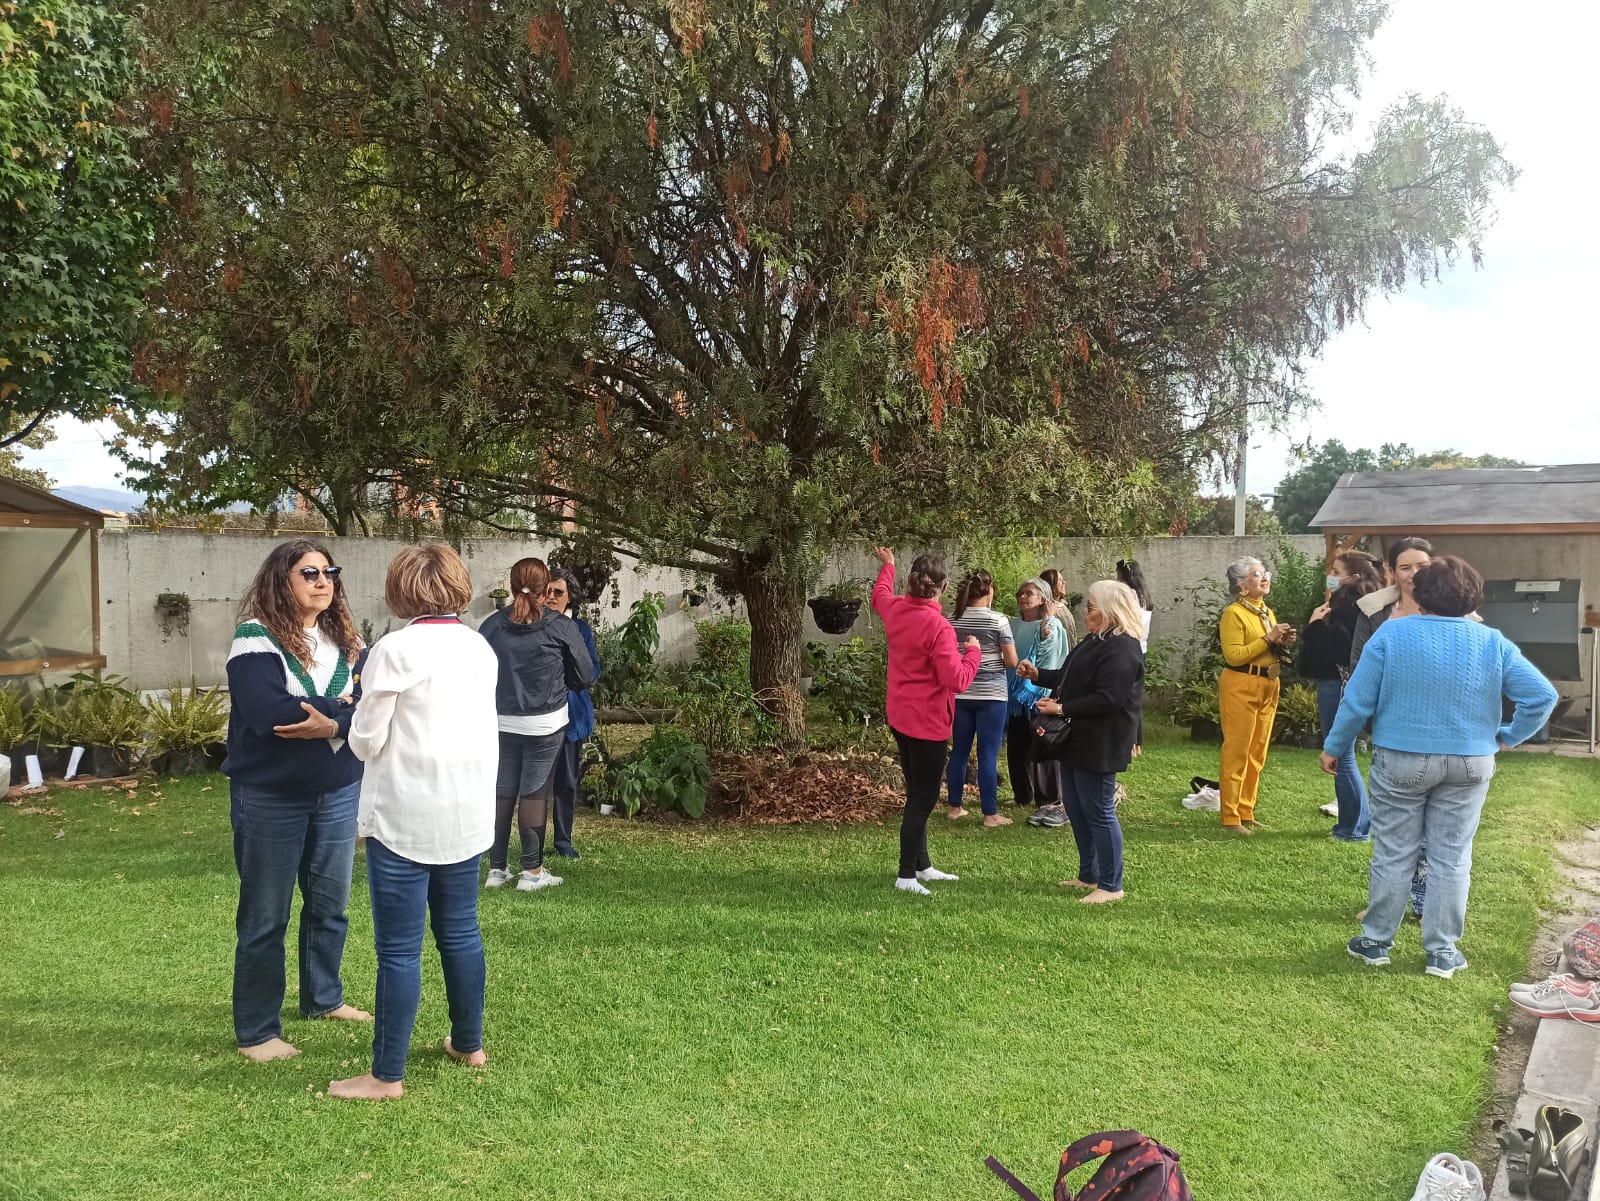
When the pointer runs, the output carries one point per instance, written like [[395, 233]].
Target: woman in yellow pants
[[1252, 637]]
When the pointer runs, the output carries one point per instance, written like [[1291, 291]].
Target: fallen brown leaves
[[772, 788]]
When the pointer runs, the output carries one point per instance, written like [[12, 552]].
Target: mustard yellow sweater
[[1244, 641]]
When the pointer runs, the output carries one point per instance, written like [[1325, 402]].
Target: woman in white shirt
[[1130, 573], [426, 732]]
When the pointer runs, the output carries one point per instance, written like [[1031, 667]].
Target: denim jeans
[[1354, 824], [1090, 800], [985, 720], [1417, 800], [402, 892], [280, 840]]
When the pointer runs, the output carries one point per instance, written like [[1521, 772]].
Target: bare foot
[[1101, 897], [365, 1088], [1073, 883], [347, 1013], [273, 1048], [473, 1059], [955, 814], [996, 819], [1362, 916], [1253, 824], [1238, 830]]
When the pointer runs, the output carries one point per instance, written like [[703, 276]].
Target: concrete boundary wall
[[213, 570]]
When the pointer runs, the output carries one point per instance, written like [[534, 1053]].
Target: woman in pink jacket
[[925, 673]]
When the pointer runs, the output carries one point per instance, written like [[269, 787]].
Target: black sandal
[[1516, 1147]]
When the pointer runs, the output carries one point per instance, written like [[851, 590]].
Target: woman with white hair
[[1101, 689], [1254, 642]]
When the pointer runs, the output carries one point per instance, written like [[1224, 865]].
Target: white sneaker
[[933, 873], [1447, 1178], [911, 885], [1331, 809], [529, 882], [498, 878]]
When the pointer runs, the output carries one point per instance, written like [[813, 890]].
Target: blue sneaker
[[1368, 951], [1445, 964]]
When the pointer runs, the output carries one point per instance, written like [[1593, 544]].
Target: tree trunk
[[777, 626]]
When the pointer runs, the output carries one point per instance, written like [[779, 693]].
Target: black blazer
[[1101, 688]]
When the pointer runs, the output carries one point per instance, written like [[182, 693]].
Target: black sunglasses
[[310, 574]]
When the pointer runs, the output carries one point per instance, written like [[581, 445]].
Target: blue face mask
[[1333, 582]]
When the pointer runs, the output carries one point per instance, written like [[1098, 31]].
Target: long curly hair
[[270, 601]]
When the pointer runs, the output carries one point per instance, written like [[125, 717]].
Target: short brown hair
[[1448, 586], [427, 578]]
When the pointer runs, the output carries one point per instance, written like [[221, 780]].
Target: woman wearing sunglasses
[[294, 674], [562, 596]]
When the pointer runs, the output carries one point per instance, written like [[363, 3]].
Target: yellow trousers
[[1248, 705]]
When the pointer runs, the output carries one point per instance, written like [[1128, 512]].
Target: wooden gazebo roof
[[1465, 500]]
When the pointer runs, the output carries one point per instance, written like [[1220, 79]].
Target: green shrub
[[628, 652], [854, 680], [188, 719], [670, 771], [1297, 584], [722, 651], [97, 710], [13, 721], [1298, 722]]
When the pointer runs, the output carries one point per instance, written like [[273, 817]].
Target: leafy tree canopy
[[11, 455], [1302, 491], [732, 285], [78, 209]]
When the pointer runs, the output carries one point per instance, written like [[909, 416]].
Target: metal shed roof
[[17, 497], [1466, 500]]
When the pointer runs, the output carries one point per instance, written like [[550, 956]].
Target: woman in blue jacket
[[564, 596], [294, 677]]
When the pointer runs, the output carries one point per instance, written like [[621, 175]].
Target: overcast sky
[[1484, 361]]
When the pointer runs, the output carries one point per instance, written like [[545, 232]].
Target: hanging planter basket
[[834, 616]]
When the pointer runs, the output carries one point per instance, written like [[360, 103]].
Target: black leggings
[[922, 761], [533, 812]]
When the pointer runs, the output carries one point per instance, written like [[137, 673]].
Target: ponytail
[[927, 578], [529, 579], [978, 582]]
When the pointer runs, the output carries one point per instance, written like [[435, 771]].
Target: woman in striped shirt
[[981, 709]]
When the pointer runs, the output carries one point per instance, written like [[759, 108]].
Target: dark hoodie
[[538, 662]]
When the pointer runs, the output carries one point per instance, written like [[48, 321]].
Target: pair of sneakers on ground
[[916, 885], [526, 881], [1564, 995], [1449, 1178], [1443, 964]]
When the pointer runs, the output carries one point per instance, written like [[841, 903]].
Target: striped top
[[993, 632]]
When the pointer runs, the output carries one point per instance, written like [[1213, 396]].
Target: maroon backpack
[[1136, 1168]]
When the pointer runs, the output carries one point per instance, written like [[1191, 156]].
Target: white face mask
[[1333, 583]]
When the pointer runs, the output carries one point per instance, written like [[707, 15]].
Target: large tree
[[78, 209], [734, 284], [1301, 493]]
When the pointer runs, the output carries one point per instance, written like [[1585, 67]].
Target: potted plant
[[172, 609], [13, 730], [814, 657], [107, 719], [184, 727], [43, 734], [837, 608], [499, 596]]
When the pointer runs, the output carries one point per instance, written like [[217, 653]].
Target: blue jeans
[[402, 891], [280, 840], [1090, 800], [1417, 800], [987, 721], [1354, 824]]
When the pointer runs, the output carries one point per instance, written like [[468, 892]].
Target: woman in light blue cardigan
[[1432, 687]]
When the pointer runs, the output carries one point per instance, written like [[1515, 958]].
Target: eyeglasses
[[310, 574], [556, 590]]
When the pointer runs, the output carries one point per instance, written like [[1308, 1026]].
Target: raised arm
[[883, 586]]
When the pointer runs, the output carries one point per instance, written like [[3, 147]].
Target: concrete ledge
[[1563, 1069]]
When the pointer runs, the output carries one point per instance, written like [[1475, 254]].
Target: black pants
[[1019, 757], [922, 761], [564, 802]]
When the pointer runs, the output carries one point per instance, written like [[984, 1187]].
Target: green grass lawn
[[712, 1012]]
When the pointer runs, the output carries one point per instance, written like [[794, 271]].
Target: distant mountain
[[102, 498]]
